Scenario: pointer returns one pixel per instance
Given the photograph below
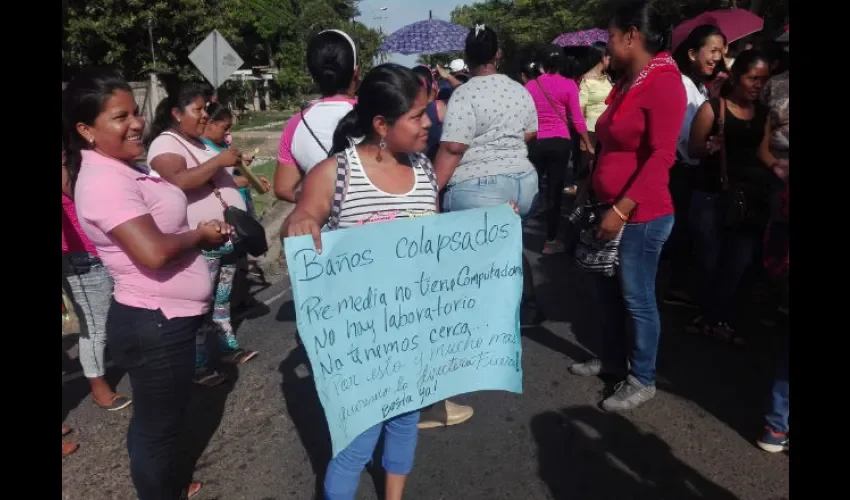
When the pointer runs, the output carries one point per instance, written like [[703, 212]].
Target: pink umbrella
[[734, 23], [581, 38]]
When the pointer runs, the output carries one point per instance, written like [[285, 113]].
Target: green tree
[[522, 24], [118, 33], [138, 36]]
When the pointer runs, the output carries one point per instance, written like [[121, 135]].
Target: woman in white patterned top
[[384, 177]]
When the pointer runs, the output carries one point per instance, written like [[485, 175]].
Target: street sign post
[[215, 59]]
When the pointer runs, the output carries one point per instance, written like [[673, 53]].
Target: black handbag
[[249, 236]]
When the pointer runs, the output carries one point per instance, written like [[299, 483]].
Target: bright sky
[[400, 13]]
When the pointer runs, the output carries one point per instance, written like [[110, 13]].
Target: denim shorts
[[494, 190]]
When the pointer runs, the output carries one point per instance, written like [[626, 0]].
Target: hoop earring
[[381, 147]]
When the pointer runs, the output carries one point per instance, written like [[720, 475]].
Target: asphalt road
[[262, 436]]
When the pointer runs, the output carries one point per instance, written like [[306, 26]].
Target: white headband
[[345, 35]]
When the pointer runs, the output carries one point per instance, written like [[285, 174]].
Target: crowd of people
[[679, 155]]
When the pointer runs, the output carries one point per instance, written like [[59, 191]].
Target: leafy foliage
[[123, 34], [522, 24]]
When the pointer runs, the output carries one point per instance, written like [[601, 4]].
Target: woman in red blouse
[[638, 134]]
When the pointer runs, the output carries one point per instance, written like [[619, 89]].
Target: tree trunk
[[270, 53]]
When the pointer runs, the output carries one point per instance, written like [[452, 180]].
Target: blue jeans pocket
[[129, 331], [136, 335], [492, 190]]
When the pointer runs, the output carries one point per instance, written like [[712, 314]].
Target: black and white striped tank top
[[358, 201]]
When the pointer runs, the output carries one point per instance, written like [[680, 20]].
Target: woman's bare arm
[[447, 160], [700, 130], [172, 167], [764, 153], [317, 192], [147, 245], [66, 182], [286, 180]]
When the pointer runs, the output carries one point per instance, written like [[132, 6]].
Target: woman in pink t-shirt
[[90, 287], [179, 155], [557, 103], [139, 227]]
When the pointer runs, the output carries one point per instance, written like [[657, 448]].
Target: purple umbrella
[[581, 38], [426, 37]]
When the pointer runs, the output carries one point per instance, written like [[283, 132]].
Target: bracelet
[[619, 213]]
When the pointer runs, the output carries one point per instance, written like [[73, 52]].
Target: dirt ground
[[267, 141]]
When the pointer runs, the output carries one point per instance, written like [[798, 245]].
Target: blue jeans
[[493, 190], [632, 291], [344, 470], [778, 411], [723, 258], [159, 356]]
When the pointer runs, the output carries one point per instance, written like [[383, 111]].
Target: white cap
[[457, 66]]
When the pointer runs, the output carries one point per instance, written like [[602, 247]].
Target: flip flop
[[69, 447], [118, 402], [66, 430], [238, 357], [209, 379]]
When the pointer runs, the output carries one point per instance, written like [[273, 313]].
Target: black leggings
[[551, 157]]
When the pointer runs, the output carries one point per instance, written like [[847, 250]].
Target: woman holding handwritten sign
[[383, 178]]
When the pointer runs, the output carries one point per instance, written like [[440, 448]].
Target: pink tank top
[[73, 237]]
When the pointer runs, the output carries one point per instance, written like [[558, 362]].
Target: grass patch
[[263, 201], [260, 119]]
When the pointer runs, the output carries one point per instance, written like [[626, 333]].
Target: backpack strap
[[315, 137], [339, 189], [721, 128]]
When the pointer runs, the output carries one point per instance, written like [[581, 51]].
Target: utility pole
[[150, 38]]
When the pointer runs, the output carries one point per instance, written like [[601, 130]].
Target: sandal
[[66, 430], [209, 378], [118, 402], [254, 271], [69, 447], [238, 357], [721, 331]]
